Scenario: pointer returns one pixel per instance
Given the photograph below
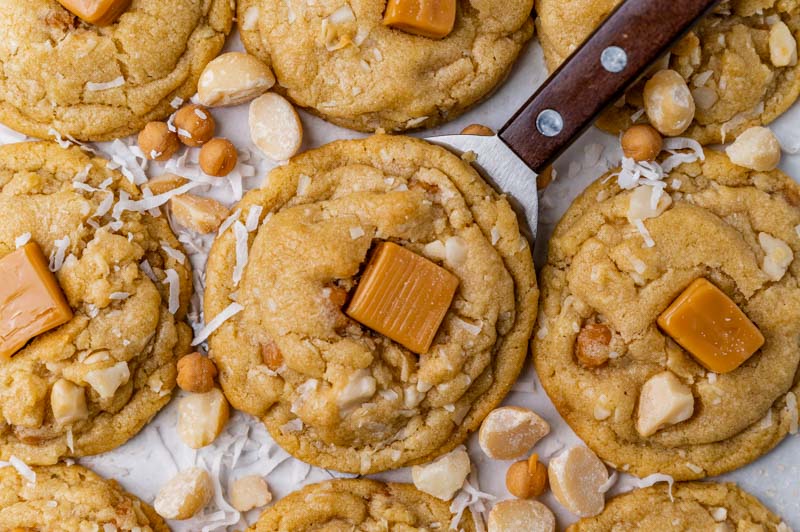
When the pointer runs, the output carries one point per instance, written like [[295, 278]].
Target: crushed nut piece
[[756, 148], [443, 477], [510, 432], [68, 402], [250, 492], [664, 401], [185, 495], [576, 476], [202, 417], [203, 215], [232, 79]]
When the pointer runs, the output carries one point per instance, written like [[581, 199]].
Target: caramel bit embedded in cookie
[[403, 296], [31, 301], [428, 18], [592, 345], [708, 324], [98, 12], [272, 355]]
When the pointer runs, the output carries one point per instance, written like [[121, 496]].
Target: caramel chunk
[[31, 301], [98, 12], [428, 18], [403, 296], [710, 326]]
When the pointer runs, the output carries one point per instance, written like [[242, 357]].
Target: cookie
[[59, 75], [68, 498], [332, 392], [359, 504], [603, 284], [725, 60], [687, 507], [360, 74], [119, 351]]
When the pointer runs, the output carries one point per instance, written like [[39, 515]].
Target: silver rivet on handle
[[614, 59], [549, 123]]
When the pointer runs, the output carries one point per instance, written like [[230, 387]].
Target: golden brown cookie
[[603, 288], [726, 61], [60, 74], [113, 365], [338, 60], [359, 505], [69, 498], [685, 507], [332, 392]]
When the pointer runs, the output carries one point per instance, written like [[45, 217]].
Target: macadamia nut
[[663, 401], [249, 492], [185, 495], [443, 477], [68, 401], [275, 126], [233, 78], [202, 417], [510, 432], [521, 515], [756, 148], [576, 476], [106, 381], [668, 103], [647, 202], [203, 215], [782, 45], [777, 256]]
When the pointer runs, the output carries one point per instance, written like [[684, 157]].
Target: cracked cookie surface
[[725, 60], [100, 83], [685, 507], [359, 505], [599, 272], [363, 75], [334, 393], [122, 345], [70, 498]]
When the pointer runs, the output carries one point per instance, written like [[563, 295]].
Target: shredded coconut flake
[[227, 313], [655, 478], [119, 296], [242, 243], [173, 253], [229, 221], [791, 407], [469, 327], [22, 468], [57, 256], [118, 82], [648, 240], [356, 233], [22, 239], [147, 203], [608, 484], [302, 185], [253, 216], [173, 281]]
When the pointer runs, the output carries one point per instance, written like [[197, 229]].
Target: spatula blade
[[504, 170]]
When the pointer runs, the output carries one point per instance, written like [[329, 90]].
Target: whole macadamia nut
[[669, 103]]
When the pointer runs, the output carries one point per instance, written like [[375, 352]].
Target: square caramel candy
[[403, 296], [31, 301], [428, 18], [98, 12], [710, 326]]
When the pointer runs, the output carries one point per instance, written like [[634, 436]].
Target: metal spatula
[[633, 37]]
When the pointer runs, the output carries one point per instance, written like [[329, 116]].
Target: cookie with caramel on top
[[702, 391], [332, 391]]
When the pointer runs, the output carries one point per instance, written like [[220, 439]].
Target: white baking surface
[[156, 454]]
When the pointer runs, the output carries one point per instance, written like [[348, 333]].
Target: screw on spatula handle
[[621, 50]]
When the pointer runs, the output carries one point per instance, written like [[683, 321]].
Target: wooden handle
[[621, 50]]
